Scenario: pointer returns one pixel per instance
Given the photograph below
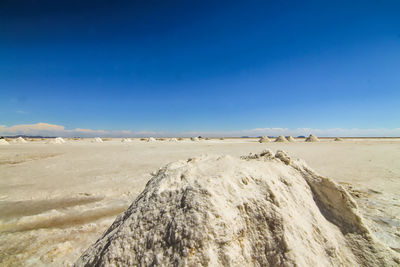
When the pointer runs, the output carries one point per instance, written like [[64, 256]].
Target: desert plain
[[58, 199]]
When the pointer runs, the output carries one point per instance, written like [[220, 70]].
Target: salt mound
[[173, 140], [3, 142], [264, 139], [127, 140], [57, 140], [312, 138], [290, 139], [195, 139], [338, 139], [60, 140], [98, 140], [261, 210], [281, 139], [20, 140], [151, 139]]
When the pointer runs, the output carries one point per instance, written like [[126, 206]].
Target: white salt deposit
[[290, 139], [264, 139], [57, 140], [126, 140], [195, 139], [173, 140], [151, 139], [60, 140], [98, 140], [312, 138], [260, 210], [20, 140], [281, 139], [3, 142]]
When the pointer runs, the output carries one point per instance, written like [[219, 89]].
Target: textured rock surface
[[260, 210]]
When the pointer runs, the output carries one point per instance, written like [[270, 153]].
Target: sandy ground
[[57, 199]]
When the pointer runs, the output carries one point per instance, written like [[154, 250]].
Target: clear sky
[[180, 66]]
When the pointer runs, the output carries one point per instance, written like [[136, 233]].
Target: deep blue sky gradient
[[200, 65]]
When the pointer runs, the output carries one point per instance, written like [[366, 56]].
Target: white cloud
[[46, 129]]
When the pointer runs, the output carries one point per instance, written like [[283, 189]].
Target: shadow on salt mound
[[195, 139], [264, 209], [338, 139]]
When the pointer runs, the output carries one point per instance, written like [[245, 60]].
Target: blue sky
[[203, 66]]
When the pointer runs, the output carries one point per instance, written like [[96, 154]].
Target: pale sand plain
[[57, 199]]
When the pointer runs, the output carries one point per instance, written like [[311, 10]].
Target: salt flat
[[57, 199]]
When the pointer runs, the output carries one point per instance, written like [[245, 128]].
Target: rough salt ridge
[[260, 210]]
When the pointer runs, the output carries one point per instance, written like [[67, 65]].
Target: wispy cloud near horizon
[[46, 129]]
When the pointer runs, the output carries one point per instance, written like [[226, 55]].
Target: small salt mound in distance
[[260, 210], [312, 138], [338, 139], [98, 140], [290, 139], [57, 140], [173, 140], [60, 140], [151, 139], [264, 139], [126, 140], [194, 139], [20, 140], [281, 139], [3, 142]]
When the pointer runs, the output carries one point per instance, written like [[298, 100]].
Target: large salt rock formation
[[195, 139], [338, 139], [3, 142], [312, 138], [126, 140], [281, 139], [260, 210], [98, 140], [151, 139], [264, 139]]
